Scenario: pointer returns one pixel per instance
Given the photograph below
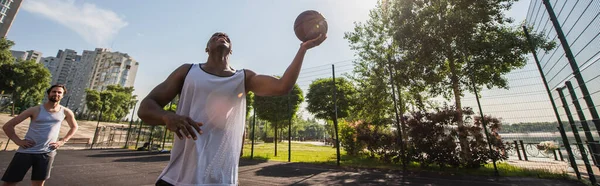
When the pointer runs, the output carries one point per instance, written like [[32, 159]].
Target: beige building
[[94, 70], [8, 12], [27, 55], [113, 68]]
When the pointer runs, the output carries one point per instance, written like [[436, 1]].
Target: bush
[[348, 138], [433, 138], [380, 141]]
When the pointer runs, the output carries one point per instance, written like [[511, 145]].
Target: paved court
[[118, 167]]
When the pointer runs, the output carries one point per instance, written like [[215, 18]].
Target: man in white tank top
[[38, 148], [210, 116]]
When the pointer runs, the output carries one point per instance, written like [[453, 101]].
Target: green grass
[[308, 153], [300, 152]]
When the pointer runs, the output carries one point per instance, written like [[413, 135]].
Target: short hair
[[57, 85]]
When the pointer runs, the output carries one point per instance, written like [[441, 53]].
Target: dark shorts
[[161, 182], [21, 162]]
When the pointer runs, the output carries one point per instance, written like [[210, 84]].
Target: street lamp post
[[130, 123], [12, 112]]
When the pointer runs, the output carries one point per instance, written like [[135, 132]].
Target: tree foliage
[[275, 109], [320, 98], [115, 100], [26, 81], [440, 47]]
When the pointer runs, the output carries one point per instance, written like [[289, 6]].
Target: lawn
[[309, 153]]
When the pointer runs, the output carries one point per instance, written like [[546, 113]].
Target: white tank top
[[220, 104]]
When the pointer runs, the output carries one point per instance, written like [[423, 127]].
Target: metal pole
[[574, 66], [165, 135], [485, 128], [98, 124], [151, 138], [398, 128], [335, 122], [7, 142], [586, 128], [588, 167], [290, 127], [560, 124], [253, 130], [139, 133], [130, 123]]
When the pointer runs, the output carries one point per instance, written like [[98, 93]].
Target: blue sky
[[162, 35]]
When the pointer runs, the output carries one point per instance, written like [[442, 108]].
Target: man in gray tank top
[[212, 96], [38, 148]]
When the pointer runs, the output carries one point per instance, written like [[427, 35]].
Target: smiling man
[[38, 148], [212, 96]]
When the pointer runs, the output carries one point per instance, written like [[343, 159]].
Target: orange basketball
[[309, 24]]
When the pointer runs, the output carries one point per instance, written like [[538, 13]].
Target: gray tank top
[[43, 131]]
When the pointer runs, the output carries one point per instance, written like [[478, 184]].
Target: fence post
[[165, 135], [398, 127], [98, 124], [253, 130], [485, 128], [574, 66], [576, 134], [139, 133], [130, 123], [290, 127], [524, 151], [517, 149], [335, 122], [7, 142]]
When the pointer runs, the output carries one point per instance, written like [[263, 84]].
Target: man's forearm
[[10, 132], [291, 74], [69, 134], [151, 113]]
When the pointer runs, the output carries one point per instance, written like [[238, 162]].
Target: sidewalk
[[125, 167]]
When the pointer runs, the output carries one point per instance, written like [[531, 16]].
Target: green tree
[[5, 54], [26, 81], [92, 101], [320, 98], [116, 101], [460, 42], [275, 109]]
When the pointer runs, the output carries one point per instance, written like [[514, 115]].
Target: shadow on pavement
[[250, 162], [289, 170], [130, 153], [154, 158]]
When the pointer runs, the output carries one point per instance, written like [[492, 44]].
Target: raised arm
[[9, 127], [264, 85], [151, 108]]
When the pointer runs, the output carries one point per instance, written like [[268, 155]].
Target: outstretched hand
[[314, 42]]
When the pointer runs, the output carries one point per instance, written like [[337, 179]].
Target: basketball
[[309, 24]]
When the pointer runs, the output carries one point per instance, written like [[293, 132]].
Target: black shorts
[[21, 162], [161, 182]]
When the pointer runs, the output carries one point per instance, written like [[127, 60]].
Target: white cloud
[[96, 25]]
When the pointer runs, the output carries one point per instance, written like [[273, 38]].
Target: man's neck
[[218, 62], [50, 104]]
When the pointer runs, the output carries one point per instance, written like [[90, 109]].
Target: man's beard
[[54, 99]]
